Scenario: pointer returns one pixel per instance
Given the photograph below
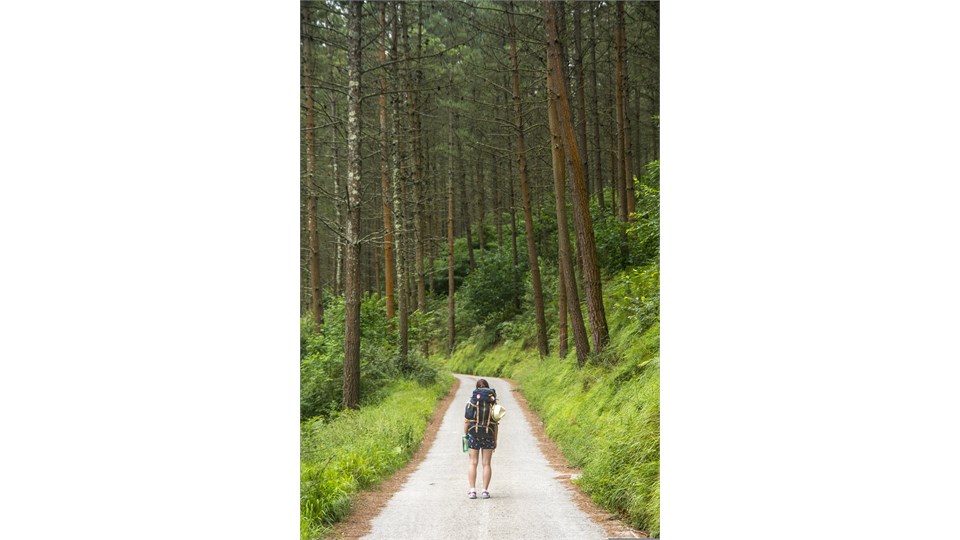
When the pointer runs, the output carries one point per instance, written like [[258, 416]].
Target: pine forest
[[479, 196]]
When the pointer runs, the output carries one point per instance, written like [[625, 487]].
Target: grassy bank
[[348, 452], [605, 417]]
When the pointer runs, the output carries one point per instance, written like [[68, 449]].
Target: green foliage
[[492, 291], [610, 238], [636, 294], [645, 229], [321, 357], [624, 245], [321, 368], [359, 448]]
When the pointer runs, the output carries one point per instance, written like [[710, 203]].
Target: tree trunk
[[513, 217], [625, 99], [450, 287], [570, 297], [413, 102], [513, 232], [337, 198], [561, 311], [465, 208], [316, 294], [654, 116], [598, 172], [376, 270], [498, 198], [481, 207], [386, 196], [399, 198], [581, 88], [351, 338], [623, 144], [641, 154], [316, 290], [525, 192], [615, 172], [582, 221]]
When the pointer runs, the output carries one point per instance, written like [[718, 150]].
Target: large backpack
[[478, 409]]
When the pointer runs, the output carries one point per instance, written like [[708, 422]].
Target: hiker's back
[[478, 409]]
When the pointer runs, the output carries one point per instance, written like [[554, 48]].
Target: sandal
[[472, 494], [485, 494]]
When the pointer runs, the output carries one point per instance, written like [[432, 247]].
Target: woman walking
[[481, 431]]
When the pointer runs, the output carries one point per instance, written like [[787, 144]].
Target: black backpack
[[479, 407]]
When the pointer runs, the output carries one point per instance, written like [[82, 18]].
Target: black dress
[[484, 437]]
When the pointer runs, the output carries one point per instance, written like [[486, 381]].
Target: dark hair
[[482, 383]]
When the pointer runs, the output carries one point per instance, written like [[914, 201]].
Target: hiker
[[481, 432]]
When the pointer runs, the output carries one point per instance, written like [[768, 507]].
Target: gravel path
[[527, 498]]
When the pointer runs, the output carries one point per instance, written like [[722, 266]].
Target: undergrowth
[[357, 449]]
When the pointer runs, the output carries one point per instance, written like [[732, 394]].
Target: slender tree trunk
[[615, 172], [525, 192], [561, 312], [316, 296], [582, 221], [513, 233], [481, 207], [598, 172], [465, 208], [581, 88], [399, 196], [640, 155], [386, 196], [435, 214], [625, 99], [351, 339], [413, 109], [316, 289], [623, 165], [450, 287], [570, 297], [376, 270], [655, 7], [337, 205], [498, 197], [513, 217]]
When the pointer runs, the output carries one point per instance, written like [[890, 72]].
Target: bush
[[492, 291]]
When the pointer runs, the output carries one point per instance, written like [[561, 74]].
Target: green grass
[[606, 421], [605, 418], [357, 449]]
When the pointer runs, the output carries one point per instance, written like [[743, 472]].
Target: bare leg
[[472, 468], [487, 471]]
